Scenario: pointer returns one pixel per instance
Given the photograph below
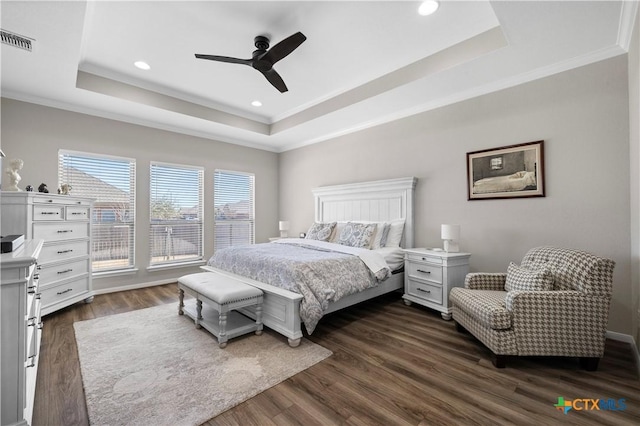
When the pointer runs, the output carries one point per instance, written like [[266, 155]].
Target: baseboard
[[613, 335], [133, 286]]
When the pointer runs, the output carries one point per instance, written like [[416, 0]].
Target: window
[[176, 214], [111, 181], [234, 211]]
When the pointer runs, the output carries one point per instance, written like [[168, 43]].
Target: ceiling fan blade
[[224, 59], [275, 79], [283, 48]]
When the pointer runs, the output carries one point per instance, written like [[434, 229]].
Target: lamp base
[[451, 246]]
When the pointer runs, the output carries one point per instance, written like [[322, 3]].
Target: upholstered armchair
[[556, 303]]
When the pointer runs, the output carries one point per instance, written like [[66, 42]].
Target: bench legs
[[198, 313], [181, 301], [222, 338], [259, 319]]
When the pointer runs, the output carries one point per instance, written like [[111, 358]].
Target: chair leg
[[499, 361], [589, 364]]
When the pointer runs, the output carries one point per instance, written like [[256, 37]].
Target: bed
[[378, 201], [514, 182]]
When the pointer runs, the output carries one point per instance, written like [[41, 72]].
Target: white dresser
[[21, 332], [430, 275], [64, 223]]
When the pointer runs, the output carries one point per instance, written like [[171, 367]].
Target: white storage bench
[[221, 295]]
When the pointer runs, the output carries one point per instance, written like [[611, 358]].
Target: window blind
[[233, 200], [176, 214], [111, 182]]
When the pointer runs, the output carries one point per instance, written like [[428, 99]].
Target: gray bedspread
[[319, 275]]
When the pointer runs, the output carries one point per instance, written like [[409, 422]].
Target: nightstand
[[430, 275]]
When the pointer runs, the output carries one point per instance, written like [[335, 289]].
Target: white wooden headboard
[[381, 200]]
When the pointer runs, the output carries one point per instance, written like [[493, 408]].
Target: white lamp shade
[[283, 225], [450, 232]]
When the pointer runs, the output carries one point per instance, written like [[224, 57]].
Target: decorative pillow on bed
[[394, 235], [519, 278], [357, 234], [320, 231]]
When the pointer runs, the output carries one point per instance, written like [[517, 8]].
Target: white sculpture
[[12, 173]]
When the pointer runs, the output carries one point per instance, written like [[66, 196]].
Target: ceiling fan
[[264, 58]]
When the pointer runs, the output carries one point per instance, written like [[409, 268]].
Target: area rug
[[153, 367]]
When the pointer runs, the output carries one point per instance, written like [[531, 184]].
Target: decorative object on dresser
[[556, 303], [15, 166], [450, 234], [64, 223], [21, 332], [512, 171], [430, 275]]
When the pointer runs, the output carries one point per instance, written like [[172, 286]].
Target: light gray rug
[[153, 367]]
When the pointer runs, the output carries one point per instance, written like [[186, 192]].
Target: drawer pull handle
[[31, 289], [64, 291], [423, 290], [31, 322], [424, 272], [40, 325], [36, 276], [50, 213], [78, 213], [38, 296], [65, 251], [64, 231], [33, 361], [65, 271]]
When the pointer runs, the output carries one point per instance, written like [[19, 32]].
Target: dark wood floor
[[391, 365]]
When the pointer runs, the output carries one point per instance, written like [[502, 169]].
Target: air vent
[[15, 40]]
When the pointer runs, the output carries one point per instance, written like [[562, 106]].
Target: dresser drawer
[[60, 231], [429, 292], [77, 213], [424, 257], [65, 250], [48, 212], [425, 271], [53, 273], [65, 291]]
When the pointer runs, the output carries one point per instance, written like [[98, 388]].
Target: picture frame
[[513, 171]]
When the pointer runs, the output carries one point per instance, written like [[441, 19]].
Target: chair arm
[[485, 281], [563, 323]]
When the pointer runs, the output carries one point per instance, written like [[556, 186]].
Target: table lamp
[[450, 234]]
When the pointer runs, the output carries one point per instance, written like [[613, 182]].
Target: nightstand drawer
[[424, 257], [429, 292], [425, 271], [48, 213]]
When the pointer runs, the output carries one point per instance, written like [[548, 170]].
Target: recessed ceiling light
[[256, 103], [142, 65], [428, 7]]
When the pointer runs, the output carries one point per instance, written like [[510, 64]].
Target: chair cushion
[[519, 278], [485, 306]]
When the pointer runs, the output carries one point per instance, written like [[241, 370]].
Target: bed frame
[[383, 200]]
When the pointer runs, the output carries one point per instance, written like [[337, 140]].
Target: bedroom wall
[[583, 117], [35, 134]]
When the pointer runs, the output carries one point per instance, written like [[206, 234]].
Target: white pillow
[[394, 237]]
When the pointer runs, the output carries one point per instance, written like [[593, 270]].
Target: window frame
[[132, 212], [176, 263], [252, 209]]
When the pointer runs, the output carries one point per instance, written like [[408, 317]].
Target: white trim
[[165, 266], [614, 335], [114, 273], [135, 286], [627, 19]]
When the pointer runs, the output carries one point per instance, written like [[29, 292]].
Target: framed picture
[[507, 172]]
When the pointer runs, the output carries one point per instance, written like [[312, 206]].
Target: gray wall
[[583, 117], [36, 133]]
